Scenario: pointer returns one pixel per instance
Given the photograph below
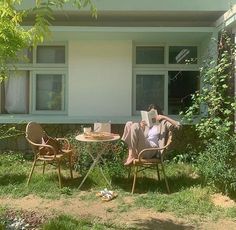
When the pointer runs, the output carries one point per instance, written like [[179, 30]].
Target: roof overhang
[[135, 19], [227, 20]]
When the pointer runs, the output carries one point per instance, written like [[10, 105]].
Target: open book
[[149, 117]]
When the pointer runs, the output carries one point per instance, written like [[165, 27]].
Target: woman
[[138, 136]]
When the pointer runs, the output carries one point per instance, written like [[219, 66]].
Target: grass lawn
[[188, 199]]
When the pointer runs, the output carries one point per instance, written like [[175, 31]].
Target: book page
[[144, 115], [149, 117]]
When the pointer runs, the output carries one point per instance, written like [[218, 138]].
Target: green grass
[[65, 222], [187, 197], [193, 200]]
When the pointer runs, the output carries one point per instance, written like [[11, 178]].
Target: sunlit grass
[[187, 197]]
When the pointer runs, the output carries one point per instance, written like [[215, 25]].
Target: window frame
[[56, 65], [148, 45], [183, 64], [47, 68], [160, 69], [64, 91], [149, 72]]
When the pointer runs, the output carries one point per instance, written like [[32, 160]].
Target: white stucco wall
[[100, 78]]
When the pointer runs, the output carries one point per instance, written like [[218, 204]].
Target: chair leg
[[59, 172], [167, 185], [158, 173], [70, 165], [31, 172], [129, 172], [44, 164], [135, 176]]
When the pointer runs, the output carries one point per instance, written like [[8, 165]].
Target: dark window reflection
[[183, 55], [149, 90], [149, 55], [181, 85]]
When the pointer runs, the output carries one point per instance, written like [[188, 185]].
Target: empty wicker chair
[[47, 149]]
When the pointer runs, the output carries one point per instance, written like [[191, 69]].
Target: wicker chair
[[141, 164], [48, 152]]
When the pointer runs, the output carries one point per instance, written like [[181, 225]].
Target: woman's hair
[[156, 107]]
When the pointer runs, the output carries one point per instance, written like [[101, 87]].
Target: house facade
[[110, 67]]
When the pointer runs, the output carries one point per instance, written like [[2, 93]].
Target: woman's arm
[[172, 121]]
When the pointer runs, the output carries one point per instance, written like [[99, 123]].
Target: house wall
[[100, 78]]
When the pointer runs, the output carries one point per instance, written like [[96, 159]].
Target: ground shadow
[[12, 178], [146, 184], [155, 223], [75, 182]]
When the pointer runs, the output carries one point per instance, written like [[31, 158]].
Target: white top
[[153, 136]]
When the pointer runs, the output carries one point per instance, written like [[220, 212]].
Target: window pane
[[149, 90], [182, 54], [15, 93], [181, 85], [149, 55], [51, 54], [49, 95]]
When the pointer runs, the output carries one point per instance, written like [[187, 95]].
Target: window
[[181, 85], [39, 84], [149, 55], [49, 92], [51, 54], [149, 89], [170, 86], [15, 93], [183, 54]]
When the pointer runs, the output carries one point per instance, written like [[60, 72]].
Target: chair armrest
[[140, 155], [66, 141], [42, 146]]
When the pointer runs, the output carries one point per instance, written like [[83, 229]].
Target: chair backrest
[[169, 139], [34, 132]]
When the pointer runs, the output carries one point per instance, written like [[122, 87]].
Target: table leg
[[95, 161], [90, 169], [105, 177]]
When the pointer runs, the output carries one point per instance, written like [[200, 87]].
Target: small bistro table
[[97, 156]]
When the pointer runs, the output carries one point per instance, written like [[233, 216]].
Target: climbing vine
[[214, 104]]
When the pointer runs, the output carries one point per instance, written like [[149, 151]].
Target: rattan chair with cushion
[[47, 149], [141, 164]]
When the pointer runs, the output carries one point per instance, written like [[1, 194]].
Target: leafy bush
[[214, 106], [217, 163]]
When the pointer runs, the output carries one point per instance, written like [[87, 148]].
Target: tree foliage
[[215, 101], [14, 37]]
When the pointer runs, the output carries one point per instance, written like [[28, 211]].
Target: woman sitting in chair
[[138, 136]]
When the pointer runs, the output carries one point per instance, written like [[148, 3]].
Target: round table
[[98, 155]]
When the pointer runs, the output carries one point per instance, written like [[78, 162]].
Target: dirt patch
[[223, 201], [87, 205]]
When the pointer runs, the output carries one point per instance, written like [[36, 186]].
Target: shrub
[[217, 163]]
